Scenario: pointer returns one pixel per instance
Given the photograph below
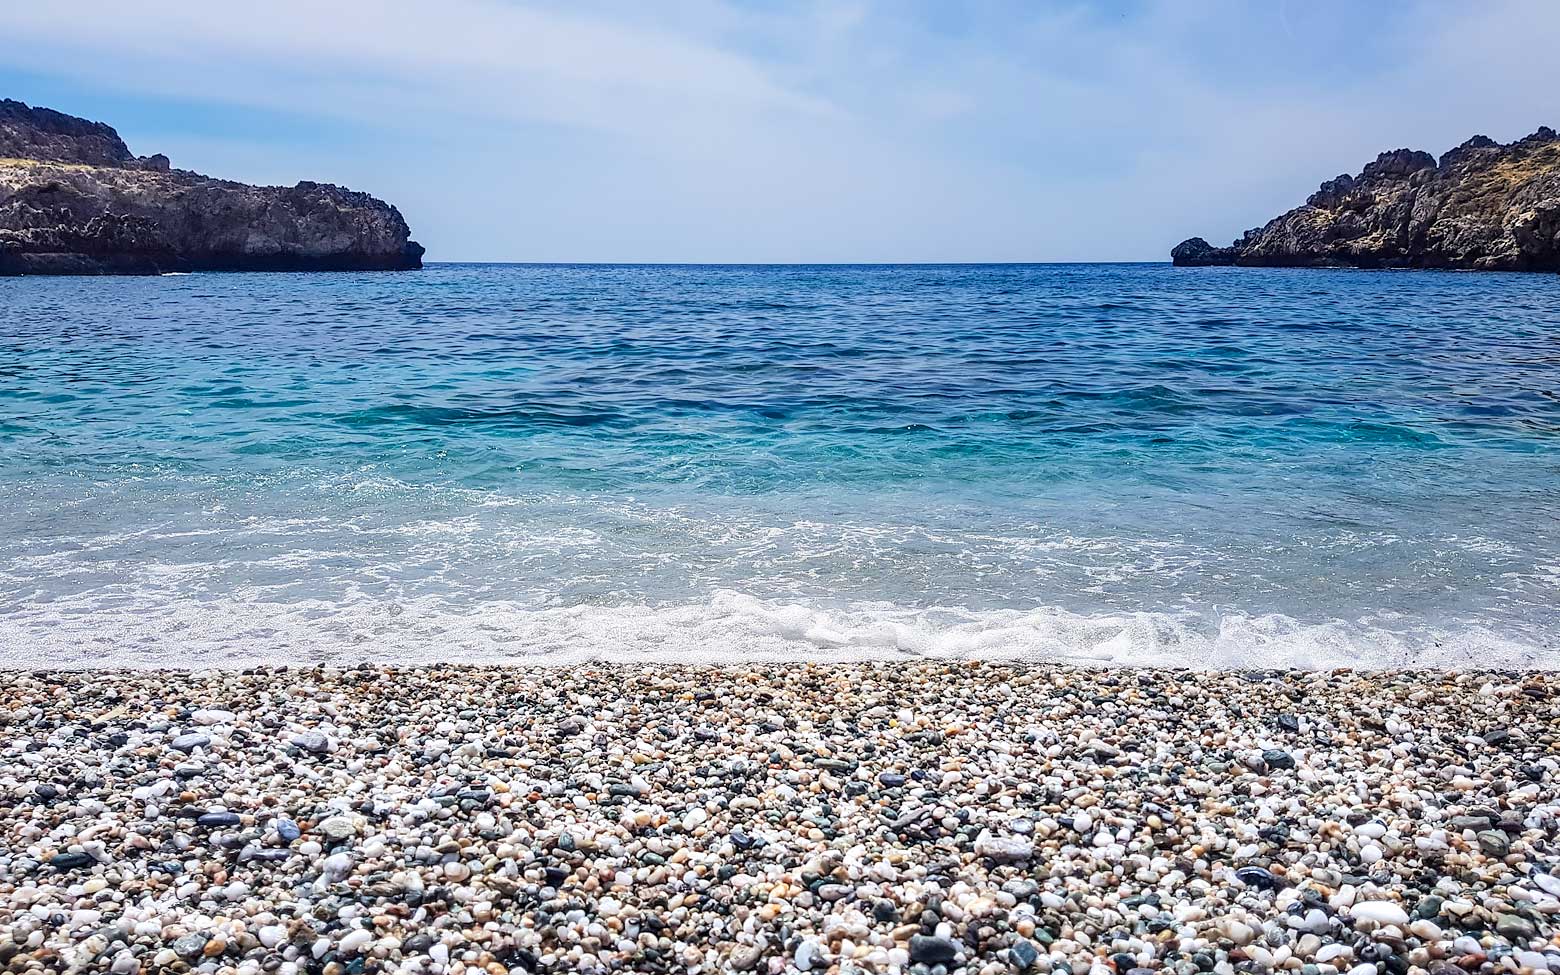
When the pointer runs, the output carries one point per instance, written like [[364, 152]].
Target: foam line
[[731, 627]]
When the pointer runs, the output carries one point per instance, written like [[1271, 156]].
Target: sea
[[1109, 464]]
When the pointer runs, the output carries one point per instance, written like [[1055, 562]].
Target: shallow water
[[1128, 463]]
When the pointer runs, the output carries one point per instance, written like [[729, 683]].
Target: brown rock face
[[73, 200], [1481, 206]]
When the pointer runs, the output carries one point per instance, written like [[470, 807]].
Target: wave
[[728, 628], [444, 416]]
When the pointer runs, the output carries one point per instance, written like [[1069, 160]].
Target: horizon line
[[792, 263]]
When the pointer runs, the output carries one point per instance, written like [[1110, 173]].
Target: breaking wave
[[729, 628]]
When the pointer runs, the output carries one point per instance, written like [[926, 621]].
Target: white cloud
[[709, 130], [475, 57]]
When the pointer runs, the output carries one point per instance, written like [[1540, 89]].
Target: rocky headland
[[1481, 206], [75, 200]]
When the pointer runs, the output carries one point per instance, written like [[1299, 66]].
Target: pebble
[[745, 958], [189, 742], [1004, 849], [1259, 877], [1382, 912], [190, 945], [338, 828], [314, 742], [1515, 928], [1425, 930], [925, 818], [70, 861], [809, 954], [1278, 758], [338, 865], [929, 950]]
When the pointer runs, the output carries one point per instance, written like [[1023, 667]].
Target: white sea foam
[[433, 574], [237, 630]]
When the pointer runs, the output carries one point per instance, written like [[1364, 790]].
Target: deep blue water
[[1091, 462]]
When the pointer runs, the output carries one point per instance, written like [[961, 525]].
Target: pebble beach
[[907, 818]]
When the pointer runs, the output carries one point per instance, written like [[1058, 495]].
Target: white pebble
[[1382, 912]]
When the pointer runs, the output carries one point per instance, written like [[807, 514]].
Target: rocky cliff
[[75, 200], [1482, 206]]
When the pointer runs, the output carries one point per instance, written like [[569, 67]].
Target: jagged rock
[[1197, 252], [44, 134], [1482, 206], [75, 200]]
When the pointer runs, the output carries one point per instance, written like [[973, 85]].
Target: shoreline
[[868, 817]]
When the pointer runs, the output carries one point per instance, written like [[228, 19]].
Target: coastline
[[930, 817]]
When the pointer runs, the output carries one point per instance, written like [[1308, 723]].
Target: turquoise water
[[1132, 463]]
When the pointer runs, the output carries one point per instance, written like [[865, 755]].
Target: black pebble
[[1278, 758], [70, 861], [1259, 877]]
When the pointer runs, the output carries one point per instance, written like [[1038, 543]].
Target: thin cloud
[[365, 58], [713, 130]]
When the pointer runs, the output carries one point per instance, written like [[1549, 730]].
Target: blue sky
[[714, 130]]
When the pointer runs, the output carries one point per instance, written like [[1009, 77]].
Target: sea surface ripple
[[1092, 463]]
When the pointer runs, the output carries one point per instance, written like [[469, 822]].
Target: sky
[[759, 131]]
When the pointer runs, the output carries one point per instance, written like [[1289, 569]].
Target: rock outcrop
[[1481, 206], [75, 200]]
